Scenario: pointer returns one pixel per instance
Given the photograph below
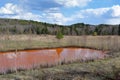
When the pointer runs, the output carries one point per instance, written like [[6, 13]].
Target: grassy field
[[106, 69], [13, 42]]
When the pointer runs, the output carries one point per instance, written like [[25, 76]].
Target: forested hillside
[[15, 26]]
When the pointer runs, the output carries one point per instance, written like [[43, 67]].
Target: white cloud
[[115, 15], [10, 8], [116, 11], [95, 12], [27, 16], [109, 15], [73, 3], [113, 11], [58, 17], [54, 15], [113, 21], [14, 11], [53, 10]]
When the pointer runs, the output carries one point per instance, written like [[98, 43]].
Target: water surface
[[27, 59]]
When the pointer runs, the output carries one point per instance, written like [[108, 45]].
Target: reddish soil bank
[[27, 59]]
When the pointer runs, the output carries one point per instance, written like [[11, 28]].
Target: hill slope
[[15, 26]]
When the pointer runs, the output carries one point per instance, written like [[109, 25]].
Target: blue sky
[[65, 12]]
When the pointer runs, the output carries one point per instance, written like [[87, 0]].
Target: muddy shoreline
[[44, 48]]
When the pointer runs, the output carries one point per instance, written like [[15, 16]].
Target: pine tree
[[59, 35]]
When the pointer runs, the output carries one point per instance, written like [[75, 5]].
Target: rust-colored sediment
[[28, 59], [59, 50]]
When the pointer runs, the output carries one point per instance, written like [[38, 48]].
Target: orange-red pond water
[[28, 59]]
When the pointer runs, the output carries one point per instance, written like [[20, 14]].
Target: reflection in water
[[28, 59]]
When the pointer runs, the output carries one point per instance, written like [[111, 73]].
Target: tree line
[[15, 26]]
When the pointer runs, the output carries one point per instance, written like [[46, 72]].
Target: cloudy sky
[[65, 12]]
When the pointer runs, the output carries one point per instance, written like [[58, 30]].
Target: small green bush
[[94, 33], [59, 35]]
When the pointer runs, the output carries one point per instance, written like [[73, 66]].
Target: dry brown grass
[[12, 42], [97, 70]]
